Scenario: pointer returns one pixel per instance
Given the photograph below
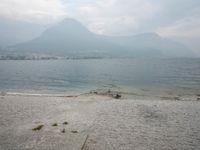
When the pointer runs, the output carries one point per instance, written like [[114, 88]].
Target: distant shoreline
[[10, 57]]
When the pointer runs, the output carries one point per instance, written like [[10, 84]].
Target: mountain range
[[70, 38]]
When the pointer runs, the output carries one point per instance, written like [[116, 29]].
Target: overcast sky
[[177, 19]]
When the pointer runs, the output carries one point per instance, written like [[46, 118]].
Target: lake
[[180, 75]]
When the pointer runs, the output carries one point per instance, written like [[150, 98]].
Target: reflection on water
[[128, 75]]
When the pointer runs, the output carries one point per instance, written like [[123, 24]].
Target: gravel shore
[[95, 122]]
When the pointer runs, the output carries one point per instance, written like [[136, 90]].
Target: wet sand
[[96, 122]]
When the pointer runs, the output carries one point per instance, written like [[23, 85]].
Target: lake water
[[181, 76]]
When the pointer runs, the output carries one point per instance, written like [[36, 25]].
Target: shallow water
[[136, 76]]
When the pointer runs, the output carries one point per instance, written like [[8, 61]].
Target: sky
[[176, 19]]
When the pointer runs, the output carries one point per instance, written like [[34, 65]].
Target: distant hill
[[71, 38], [148, 44], [15, 31]]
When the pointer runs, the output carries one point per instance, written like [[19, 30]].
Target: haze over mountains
[[16, 31], [70, 38]]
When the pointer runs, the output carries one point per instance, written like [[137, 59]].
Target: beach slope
[[95, 122]]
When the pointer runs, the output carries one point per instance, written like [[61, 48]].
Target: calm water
[[127, 75]]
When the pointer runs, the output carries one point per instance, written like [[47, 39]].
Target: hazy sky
[[178, 19]]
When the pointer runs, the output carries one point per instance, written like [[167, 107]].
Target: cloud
[[186, 27], [183, 27], [123, 17], [185, 30], [116, 16], [42, 11], [169, 18], [111, 17]]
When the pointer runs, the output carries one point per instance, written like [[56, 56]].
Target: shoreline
[[108, 93]]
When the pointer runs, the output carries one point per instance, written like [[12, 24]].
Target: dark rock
[[74, 131], [63, 130], [55, 124], [65, 123], [39, 127], [117, 96]]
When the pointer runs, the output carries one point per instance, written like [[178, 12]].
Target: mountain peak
[[70, 21], [68, 27]]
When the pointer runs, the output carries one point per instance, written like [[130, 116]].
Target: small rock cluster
[[109, 93], [39, 127]]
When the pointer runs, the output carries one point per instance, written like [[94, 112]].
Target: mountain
[[71, 38], [16, 31], [148, 44]]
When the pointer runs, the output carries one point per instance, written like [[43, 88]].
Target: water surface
[[181, 76]]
